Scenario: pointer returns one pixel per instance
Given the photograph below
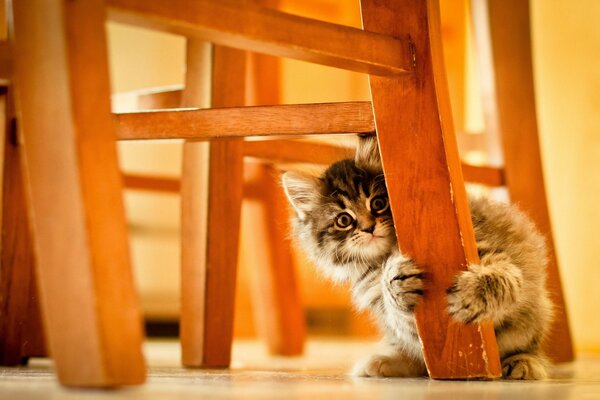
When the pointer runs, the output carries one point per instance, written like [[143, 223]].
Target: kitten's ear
[[301, 190], [367, 153]]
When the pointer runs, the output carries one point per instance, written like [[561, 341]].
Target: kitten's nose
[[370, 229]]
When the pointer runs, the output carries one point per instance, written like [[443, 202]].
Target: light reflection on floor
[[320, 374]]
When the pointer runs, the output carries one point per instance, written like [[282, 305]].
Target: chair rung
[[295, 151], [290, 151], [166, 97], [263, 30], [286, 120], [489, 176], [151, 183]]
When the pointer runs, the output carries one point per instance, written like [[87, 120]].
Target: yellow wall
[[566, 43], [139, 59], [567, 67]]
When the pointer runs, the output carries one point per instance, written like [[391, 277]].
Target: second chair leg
[[209, 276], [275, 293]]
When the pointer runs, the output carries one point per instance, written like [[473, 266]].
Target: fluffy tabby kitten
[[343, 221]]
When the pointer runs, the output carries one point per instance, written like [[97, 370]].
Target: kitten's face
[[352, 212], [343, 218]]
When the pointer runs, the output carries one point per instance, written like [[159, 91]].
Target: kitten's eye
[[379, 204], [344, 221]]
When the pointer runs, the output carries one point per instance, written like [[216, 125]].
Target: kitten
[[343, 222]]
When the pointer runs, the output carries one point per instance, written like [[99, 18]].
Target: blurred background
[[566, 52]]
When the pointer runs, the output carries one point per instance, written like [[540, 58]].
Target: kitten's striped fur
[[508, 286]]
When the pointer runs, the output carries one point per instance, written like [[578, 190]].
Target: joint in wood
[[412, 48]]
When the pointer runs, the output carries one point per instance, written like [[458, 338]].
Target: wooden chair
[[526, 189], [86, 287], [346, 118], [277, 307]]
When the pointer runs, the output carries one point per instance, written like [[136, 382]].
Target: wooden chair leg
[[208, 290], [424, 180], [74, 192], [276, 301], [277, 306], [511, 118], [194, 209], [21, 333]]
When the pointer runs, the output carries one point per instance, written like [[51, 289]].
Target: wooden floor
[[321, 374]]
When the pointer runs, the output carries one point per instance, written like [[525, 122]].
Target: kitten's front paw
[[524, 367], [466, 301], [404, 282], [386, 366]]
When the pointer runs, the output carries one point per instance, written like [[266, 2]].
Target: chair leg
[[424, 180], [74, 192], [194, 209], [276, 301], [208, 290], [21, 333], [512, 118], [277, 307]]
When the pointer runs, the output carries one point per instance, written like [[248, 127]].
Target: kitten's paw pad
[[404, 281], [524, 367], [383, 366], [465, 300]]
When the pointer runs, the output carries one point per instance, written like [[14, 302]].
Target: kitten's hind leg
[[389, 365], [524, 366]]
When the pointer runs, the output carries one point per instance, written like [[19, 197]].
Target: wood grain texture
[[247, 26], [194, 209], [74, 192], [284, 120], [277, 306], [21, 332], [210, 331], [224, 209], [418, 150], [513, 115]]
